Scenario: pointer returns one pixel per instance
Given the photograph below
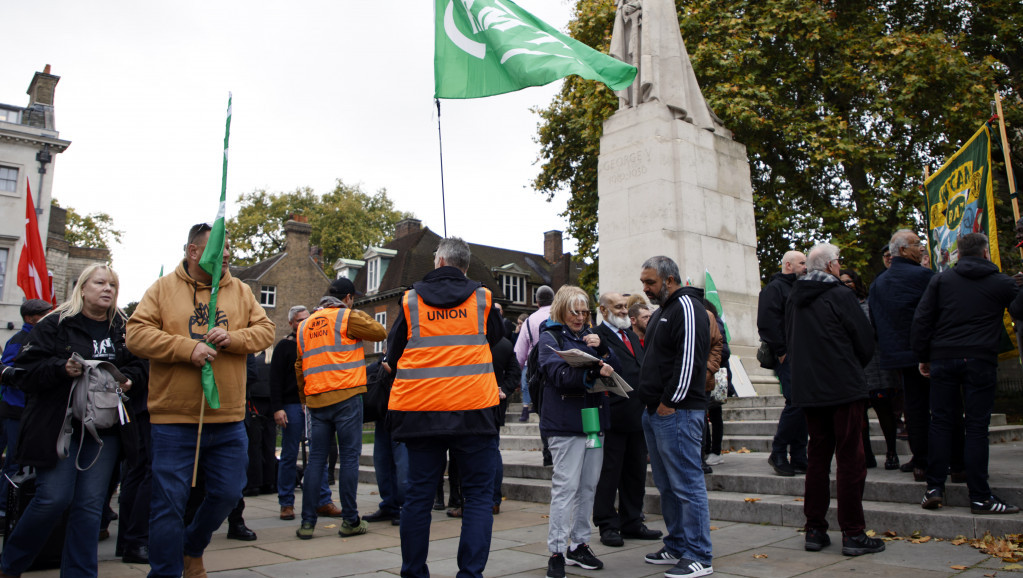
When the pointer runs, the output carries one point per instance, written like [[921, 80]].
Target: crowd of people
[[917, 342]]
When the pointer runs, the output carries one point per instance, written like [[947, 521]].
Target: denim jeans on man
[[958, 384], [57, 489], [10, 428], [390, 462], [223, 457], [344, 420], [475, 456], [287, 474], [790, 438], [573, 485], [675, 442]]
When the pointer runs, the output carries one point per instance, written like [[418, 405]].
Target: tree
[[344, 222], [95, 230], [840, 104]]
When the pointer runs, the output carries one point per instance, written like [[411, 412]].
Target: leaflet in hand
[[613, 383]]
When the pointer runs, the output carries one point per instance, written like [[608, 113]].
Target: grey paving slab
[[353, 564], [933, 555], [501, 563], [868, 566], [776, 562]]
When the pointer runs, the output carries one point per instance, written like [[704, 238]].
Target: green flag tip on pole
[[710, 293]]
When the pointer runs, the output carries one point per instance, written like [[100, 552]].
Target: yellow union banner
[[961, 200]]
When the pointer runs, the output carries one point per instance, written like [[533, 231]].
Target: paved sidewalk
[[519, 549]]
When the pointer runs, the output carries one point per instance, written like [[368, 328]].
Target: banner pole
[[1008, 161], [440, 142]]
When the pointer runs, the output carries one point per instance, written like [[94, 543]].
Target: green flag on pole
[[710, 293], [488, 47], [212, 261]]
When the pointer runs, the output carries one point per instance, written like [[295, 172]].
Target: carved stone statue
[[646, 35]]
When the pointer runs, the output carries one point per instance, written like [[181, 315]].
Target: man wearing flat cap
[[12, 400], [331, 374]]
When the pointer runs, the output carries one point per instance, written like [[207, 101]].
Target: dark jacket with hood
[[445, 287], [893, 300], [674, 368], [47, 384], [960, 314], [567, 389], [283, 382], [771, 312], [830, 341]]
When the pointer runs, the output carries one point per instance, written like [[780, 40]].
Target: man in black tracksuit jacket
[[672, 381], [955, 335]]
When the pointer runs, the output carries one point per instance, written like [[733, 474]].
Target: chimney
[[41, 90], [296, 236], [407, 227], [299, 218], [553, 249]]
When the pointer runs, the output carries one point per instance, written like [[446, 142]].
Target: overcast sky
[[322, 90]]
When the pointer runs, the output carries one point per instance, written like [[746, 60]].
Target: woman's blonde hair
[[73, 306], [568, 299]]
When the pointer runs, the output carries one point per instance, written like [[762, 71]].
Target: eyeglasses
[[583, 314], [197, 230], [850, 283]]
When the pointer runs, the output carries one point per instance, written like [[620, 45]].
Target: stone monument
[[671, 181]]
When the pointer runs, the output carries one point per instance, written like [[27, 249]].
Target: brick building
[[292, 277], [385, 273]]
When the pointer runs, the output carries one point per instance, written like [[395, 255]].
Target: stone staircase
[[745, 489]]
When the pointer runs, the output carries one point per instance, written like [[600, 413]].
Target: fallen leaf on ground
[[1012, 567], [760, 556], [922, 540], [798, 500], [751, 500], [958, 567], [891, 533], [712, 528], [331, 526], [545, 516], [871, 533], [742, 451]]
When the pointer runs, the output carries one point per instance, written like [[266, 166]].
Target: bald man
[[788, 451]]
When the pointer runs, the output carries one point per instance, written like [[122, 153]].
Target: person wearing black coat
[[623, 473], [788, 448], [89, 324], [955, 334], [830, 341]]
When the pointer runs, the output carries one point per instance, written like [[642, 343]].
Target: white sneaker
[[714, 459]]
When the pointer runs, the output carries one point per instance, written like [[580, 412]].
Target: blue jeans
[[10, 427], [287, 474], [675, 442], [475, 457], [958, 384], [390, 460], [525, 389], [223, 458], [57, 489], [343, 419], [791, 435]]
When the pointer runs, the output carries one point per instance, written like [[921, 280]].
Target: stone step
[[768, 427]]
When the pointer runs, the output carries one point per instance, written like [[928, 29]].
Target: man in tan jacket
[[169, 328]]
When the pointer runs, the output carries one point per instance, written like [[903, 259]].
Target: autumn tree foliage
[[841, 105], [344, 222]]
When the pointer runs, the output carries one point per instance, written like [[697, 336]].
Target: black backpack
[[535, 378]]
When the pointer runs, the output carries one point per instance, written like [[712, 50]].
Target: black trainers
[[933, 499], [993, 505], [583, 557], [687, 568], [556, 566], [860, 545], [816, 539], [781, 467], [662, 556]]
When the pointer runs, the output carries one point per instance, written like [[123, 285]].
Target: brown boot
[[194, 567]]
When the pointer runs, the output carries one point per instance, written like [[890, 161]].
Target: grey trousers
[[576, 471]]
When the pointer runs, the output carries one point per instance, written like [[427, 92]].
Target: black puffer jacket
[[771, 312], [893, 300], [830, 341], [47, 385], [961, 313]]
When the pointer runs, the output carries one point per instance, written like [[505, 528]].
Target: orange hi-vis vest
[[331, 360], [446, 365]]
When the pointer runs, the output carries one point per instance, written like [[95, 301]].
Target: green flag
[[710, 293], [212, 261], [488, 47]]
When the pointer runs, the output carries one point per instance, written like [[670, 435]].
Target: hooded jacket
[[830, 341], [893, 300], [171, 320], [771, 312], [960, 314], [567, 389], [677, 347], [445, 288]]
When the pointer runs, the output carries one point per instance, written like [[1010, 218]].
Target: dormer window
[[373, 274], [512, 280], [377, 259]]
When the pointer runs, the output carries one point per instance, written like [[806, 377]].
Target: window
[[373, 274], [381, 318], [268, 296], [514, 288], [13, 116], [3, 269], [8, 179]]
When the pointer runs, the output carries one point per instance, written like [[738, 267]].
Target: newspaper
[[614, 383]]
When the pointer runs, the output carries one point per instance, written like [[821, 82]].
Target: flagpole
[[1008, 161], [440, 141]]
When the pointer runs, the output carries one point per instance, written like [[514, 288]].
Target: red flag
[[33, 277]]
